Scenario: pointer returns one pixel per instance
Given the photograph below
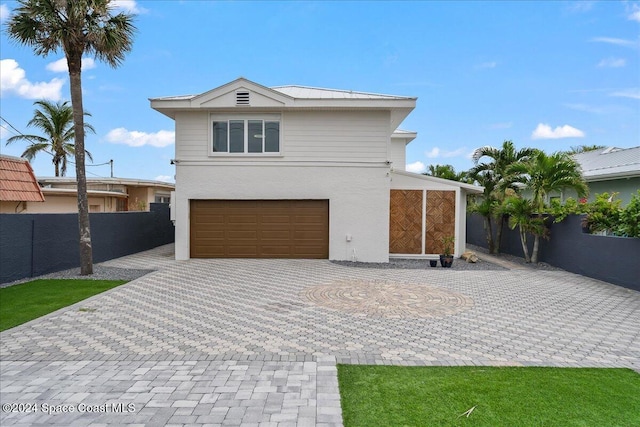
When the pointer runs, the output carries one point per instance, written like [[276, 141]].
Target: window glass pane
[[219, 137], [236, 136], [255, 136], [272, 137]]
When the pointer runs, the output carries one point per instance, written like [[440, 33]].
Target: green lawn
[[501, 396], [27, 301]]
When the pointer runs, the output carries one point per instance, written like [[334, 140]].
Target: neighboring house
[[611, 170], [22, 192], [104, 194], [607, 170], [18, 185], [300, 172]]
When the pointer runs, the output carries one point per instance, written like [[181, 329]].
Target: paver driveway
[[255, 342]]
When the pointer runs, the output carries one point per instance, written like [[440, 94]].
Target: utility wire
[[17, 132]]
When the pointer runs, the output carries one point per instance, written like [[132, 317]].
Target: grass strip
[[488, 396], [28, 301]]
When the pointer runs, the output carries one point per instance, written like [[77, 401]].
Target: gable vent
[[242, 98]]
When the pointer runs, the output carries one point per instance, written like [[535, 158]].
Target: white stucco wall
[[358, 200]]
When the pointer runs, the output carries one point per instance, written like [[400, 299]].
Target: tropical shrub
[[629, 217], [603, 214], [571, 206]]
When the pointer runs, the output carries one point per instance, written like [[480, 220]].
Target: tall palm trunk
[[534, 252], [501, 220], [523, 241], [86, 253], [536, 243], [488, 228]]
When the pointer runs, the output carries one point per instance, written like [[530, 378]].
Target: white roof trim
[[73, 192], [469, 187], [114, 181], [287, 97]]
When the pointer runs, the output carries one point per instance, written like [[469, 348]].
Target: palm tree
[[543, 174], [56, 123], [447, 172], [493, 175], [520, 211], [76, 27]]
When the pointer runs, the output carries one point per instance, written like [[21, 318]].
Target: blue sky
[[549, 75]]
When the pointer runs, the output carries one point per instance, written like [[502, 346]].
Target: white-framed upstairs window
[[253, 135]]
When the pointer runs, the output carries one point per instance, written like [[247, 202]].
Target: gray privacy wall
[[35, 244], [612, 259]]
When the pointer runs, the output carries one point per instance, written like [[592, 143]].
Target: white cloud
[[634, 13], [490, 64], [416, 167], [164, 178], [437, 152], [628, 93], [612, 63], [60, 66], [612, 40], [433, 153], [13, 80], [586, 108], [138, 139], [128, 6], [544, 131], [4, 12], [580, 6]]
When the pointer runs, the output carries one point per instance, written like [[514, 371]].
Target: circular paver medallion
[[385, 298]]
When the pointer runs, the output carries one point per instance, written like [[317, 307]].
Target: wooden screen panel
[[440, 219], [259, 229], [405, 222]]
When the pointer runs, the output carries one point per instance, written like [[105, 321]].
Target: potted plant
[[446, 258]]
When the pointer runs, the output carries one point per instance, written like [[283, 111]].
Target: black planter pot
[[433, 262], [446, 260]]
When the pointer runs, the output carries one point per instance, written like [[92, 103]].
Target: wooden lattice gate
[[440, 219], [405, 222], [414, 226]]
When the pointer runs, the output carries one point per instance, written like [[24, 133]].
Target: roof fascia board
[[469, 187]]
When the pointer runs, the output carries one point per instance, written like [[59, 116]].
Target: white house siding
[[192, 135], [404, 182], [344, 136], [358, 200], [336, 136], [398, 153]]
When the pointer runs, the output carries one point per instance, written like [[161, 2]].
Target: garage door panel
[[260, 228], [242, 219], [275, 235], [238, 251], [241, 235], [210, 251], [207, 235], [275, 219], [313, 235], [272, 250]]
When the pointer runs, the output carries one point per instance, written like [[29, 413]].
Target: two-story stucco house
[[299, 172]]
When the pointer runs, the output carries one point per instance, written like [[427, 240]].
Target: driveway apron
[[256, 342]]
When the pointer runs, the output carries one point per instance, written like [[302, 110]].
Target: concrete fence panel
[[36, 244], [612, 259]]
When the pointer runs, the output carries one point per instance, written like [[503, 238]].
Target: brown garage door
[[260, 229]]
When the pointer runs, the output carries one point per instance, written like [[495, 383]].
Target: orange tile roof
[[18, 182]]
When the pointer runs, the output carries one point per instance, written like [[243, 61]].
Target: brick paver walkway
[[255, 342]]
